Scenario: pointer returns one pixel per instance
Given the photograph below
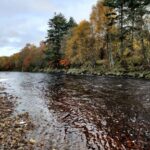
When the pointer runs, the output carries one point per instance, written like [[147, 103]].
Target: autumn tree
[[103, 20], [98, 22], [4, 63], [80, 46]]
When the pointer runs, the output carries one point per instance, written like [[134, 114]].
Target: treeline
[[116, 36], [29, 59]]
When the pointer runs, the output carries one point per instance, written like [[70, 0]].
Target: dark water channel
[[83, 112]]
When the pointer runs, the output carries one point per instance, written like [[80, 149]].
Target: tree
[[58, 27], [141, 13], [80, 45], [71, 23], [103, 19], [119, 6]]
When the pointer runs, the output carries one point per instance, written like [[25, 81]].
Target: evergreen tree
[[71, 23], [141, 12], [119, 6], [58, 27]]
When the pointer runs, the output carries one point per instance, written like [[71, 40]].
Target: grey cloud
[[14, 7], [18, 32]]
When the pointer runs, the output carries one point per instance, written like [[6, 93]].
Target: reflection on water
[[84, 112]]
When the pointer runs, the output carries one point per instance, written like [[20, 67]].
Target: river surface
[[83, 112]]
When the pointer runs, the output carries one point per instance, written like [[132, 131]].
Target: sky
[[25, 21]]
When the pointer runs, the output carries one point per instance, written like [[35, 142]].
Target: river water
[[83, 112]]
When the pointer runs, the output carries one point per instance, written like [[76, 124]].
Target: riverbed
[[83, 112]]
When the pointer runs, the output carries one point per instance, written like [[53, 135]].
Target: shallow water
[[83, 112]]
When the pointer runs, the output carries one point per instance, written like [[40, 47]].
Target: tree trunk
[[132, 40], [121, 29]]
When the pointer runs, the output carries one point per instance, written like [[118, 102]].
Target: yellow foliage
[[98, 17], [80, 47]]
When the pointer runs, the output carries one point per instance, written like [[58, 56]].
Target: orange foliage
[[27, 62], [64, 62]]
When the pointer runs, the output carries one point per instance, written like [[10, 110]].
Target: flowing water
[[83, 112]]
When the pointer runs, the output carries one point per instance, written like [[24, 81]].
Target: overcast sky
[[25, 21]]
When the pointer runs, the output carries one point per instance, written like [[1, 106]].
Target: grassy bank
[[101, 71]]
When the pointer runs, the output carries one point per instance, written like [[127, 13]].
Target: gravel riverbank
[[13, 129]]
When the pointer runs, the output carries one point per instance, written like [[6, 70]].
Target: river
[[83, 112]]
